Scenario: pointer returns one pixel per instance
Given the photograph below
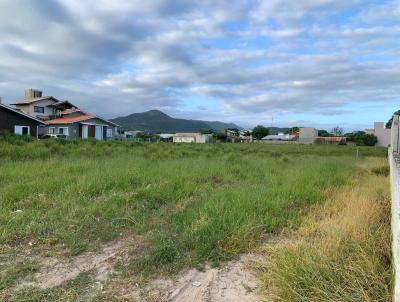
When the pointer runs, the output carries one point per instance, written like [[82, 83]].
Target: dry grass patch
[[342, 251]]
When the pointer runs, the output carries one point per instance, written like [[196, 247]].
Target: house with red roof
[[64, 118]]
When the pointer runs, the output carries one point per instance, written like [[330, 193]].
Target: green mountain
[[156, 121], [276, 130]]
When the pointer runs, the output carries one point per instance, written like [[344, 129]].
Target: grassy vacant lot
[[188, 203], [342, 250]]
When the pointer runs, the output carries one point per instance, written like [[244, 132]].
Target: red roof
[[72, 110], [70, 120]]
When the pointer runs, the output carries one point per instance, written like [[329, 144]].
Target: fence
[[394, 161]]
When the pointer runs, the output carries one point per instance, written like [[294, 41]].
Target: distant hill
[[276, 130], [156, 121]]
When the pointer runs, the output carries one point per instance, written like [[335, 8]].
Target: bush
[[369, 140], [362, 138]]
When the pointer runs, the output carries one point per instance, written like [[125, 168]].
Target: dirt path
[[57, 271], [232, 282]]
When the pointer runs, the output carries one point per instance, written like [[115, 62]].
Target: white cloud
[[250, 57]]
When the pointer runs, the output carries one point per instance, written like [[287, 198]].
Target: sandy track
[[57, 271], [233, 282]]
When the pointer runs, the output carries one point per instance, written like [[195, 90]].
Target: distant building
[[41, 107], [308, 135], [191, 138], [381, 133]]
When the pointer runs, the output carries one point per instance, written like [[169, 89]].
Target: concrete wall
[[191, 138], [307, 135], [382, 134], [394, 161], [395, 134], [184, 139]]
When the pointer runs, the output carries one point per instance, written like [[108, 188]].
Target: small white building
[[381, 133], [191, 138], [308, 135]]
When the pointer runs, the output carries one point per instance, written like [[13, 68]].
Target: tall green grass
[[191, 202]]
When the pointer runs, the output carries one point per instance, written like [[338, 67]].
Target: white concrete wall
[[395, 134], [394, 161], [184, 139], [191, 138], [307, 135]]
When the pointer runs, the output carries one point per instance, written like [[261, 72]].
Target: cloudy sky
[[286, 62]]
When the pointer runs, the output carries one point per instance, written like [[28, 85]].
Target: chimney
[[32, 94]]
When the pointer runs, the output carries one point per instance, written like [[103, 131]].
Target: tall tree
[[260, 131], [389, 122]]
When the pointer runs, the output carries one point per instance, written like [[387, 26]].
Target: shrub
[[362, 138]]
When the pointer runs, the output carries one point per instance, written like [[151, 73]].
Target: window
[[38, 109], [109, 133], [63, 130], [52, 130], [22, 130]]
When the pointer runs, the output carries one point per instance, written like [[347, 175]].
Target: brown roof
[[70, 120], [69, 111]]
